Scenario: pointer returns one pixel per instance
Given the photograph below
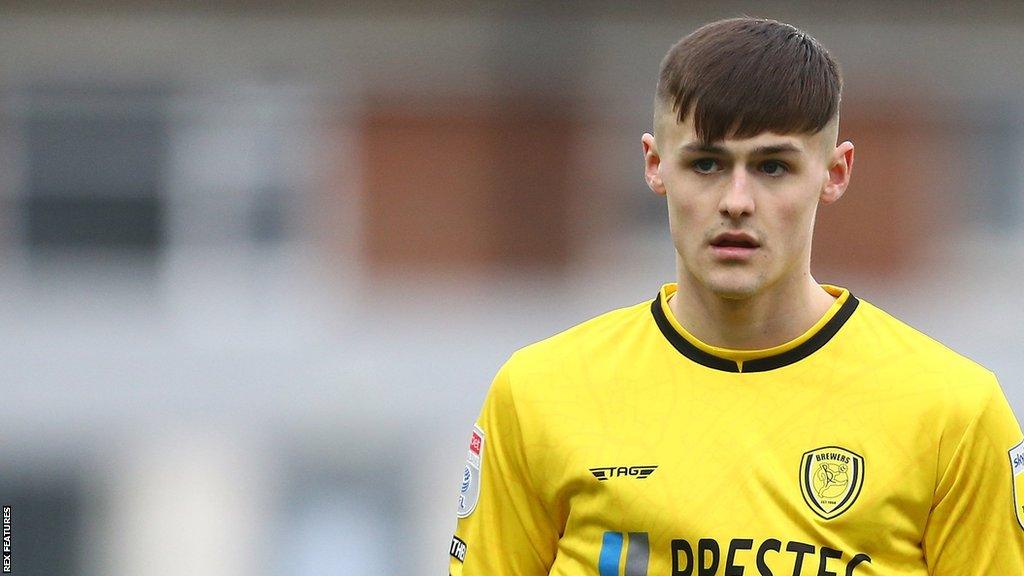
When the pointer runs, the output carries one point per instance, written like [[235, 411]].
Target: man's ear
[[652, 165], [839, 169]]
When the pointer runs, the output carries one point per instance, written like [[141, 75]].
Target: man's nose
[[738, 199]]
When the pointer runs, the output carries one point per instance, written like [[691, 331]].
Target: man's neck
[[774, 317]]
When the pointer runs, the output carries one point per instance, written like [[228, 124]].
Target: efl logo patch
[[830, 480], [469, 491], [1017, 470]]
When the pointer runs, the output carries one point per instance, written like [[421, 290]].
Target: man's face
[[741, 211]]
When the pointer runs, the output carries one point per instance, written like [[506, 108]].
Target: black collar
[[802, 351]]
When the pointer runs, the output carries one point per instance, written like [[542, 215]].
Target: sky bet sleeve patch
[[469, 492], [1017, 469]]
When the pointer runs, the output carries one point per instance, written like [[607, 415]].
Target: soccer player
[[747, 420]]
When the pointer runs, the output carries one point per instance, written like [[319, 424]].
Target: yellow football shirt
[[626, 447]]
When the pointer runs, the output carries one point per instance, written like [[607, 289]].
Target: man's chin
[[734, 288]]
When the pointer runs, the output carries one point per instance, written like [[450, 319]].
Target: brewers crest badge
[[830, 479]]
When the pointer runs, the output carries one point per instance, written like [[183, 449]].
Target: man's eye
[[705, 165], [773, 168]]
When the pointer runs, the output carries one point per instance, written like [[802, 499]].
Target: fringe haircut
[[744, 76]]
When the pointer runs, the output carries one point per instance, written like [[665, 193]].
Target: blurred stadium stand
[[260, 264]]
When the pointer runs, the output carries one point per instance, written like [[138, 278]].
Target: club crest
[[1017, 471], [830, 480]]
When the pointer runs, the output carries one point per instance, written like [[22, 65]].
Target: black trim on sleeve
[[811, 345]]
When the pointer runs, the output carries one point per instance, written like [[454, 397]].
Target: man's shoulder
[[896, 339], [919, 366], [593, 336]]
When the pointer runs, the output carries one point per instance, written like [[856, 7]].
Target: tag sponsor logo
[[607, 472]]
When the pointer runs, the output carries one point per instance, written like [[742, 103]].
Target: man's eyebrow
[[774, 149], [702, 147]]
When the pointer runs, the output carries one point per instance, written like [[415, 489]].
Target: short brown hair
[[744, 76]]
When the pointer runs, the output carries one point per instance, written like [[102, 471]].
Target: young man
[[748, 420]]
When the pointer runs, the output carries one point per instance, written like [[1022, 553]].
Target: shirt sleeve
[[504, 526], [976, 525]]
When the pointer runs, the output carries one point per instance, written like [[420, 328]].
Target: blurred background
[[259, 264]]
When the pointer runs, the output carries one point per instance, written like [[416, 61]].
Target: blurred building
[[259, 265]]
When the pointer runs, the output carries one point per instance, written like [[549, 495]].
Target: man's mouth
[[734, 245]]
